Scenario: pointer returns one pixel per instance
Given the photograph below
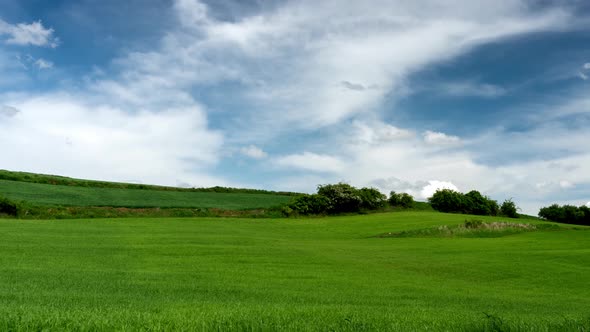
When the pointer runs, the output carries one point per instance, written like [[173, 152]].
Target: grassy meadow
[[313, 274], [69, 195]]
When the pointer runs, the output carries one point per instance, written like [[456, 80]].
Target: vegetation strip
[[473, 228]]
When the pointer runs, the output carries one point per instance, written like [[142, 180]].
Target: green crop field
[[47, 194], [324, 274]]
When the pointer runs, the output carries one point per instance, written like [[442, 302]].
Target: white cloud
[[34, 34], [583, 76], [436, 138], [309, 161], [586, 65], [66, 135], [43, 64], [254, 152], [588, 204]]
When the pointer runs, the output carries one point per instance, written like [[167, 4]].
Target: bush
[[403, 200], [509, 209], [8, 207], [342, 197], [371, 199], [336, 198], [477, 204], [308, 204]]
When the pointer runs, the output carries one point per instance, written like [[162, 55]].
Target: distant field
[[47, 194], [316, 274]]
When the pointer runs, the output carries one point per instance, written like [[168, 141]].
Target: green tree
[[509, 209], [342, 197], [447, 200]]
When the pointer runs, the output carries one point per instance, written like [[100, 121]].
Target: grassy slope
[[67, 181], [89, 196], [311, 274]]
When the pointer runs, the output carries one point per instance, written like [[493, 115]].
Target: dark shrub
[[476, 203], [309, 204], [509, 209], [403, 200], [8, 207], [447, 200], [371, 198]]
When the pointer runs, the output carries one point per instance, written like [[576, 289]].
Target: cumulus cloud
[[66, 135], [34, 34], [254, 152], [586, 65], [436, 138], [310, 161], [435, 185]]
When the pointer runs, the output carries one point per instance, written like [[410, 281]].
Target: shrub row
[[567, 214], [344, 198], [473, 202]]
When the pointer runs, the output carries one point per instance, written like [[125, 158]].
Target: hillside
[[318, 274], [42, 196], [73, 182], [46, 194]]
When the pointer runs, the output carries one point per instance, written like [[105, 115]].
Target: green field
[[47, 194], [324, 274]]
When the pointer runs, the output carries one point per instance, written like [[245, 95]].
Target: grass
[[60, 195], [320, 274]]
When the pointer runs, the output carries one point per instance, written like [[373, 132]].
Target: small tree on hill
[[509, 209]]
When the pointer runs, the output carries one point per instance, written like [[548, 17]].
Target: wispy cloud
[[437, 138], [43, 64], [467, 89]]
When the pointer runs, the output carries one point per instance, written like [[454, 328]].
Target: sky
[[409, 96]]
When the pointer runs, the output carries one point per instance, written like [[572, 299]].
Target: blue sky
[[286, 95]]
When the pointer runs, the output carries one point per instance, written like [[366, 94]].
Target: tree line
[[568, 214], [344, 198]]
